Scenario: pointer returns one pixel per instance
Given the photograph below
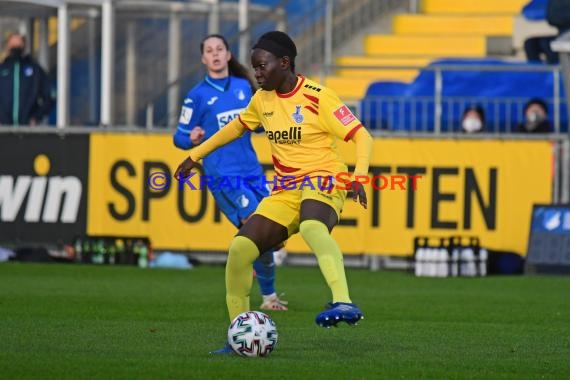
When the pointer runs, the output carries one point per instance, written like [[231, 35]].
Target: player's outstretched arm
[[184, 168], [363, 142], [225, 135]]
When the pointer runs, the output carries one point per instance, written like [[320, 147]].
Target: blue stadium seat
[[376, 114], [389, 105], [535, 10]]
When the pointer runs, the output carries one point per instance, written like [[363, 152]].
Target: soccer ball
[[252, 333]]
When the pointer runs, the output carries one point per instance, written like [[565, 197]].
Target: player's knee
[[244, 249], [311, 229]]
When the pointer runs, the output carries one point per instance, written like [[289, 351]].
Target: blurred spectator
[[473, 119], [25, 93], [535, 117], [538, 48]]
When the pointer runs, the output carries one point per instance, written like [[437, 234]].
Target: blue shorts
[[238, 203]]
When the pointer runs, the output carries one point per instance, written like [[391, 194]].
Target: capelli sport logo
[[43, 198], [292, 136]]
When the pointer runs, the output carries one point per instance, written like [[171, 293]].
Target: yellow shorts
[[284, 207]]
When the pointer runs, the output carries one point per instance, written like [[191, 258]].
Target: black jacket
[[23, 80], [543, 127], [558, 14]]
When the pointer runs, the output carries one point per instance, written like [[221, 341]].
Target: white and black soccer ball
[[252, 334]]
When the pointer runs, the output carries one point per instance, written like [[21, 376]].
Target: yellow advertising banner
[[483, 188]]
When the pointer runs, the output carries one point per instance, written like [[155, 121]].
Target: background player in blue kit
[[220, 97]]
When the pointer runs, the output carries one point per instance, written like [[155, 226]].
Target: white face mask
[[472, 124], [533, 120]]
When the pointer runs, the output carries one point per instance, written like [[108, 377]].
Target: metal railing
[[317, 31], [333, 23], [438, 112]]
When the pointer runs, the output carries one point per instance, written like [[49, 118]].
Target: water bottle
[[419, 264], [442, 269], [120, 251], [483, 256], [455, 262], [78, 250], [112, 251], [143, 255], [468, 262], [86, 251]]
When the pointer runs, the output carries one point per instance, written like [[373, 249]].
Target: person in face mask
[[16, 47], [26, 95], [473, 120], [535, 117]]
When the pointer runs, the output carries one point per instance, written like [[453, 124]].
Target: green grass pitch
[[62, 321]]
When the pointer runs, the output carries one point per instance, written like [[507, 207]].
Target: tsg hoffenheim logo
[[552, 220], [242, 201], [297, 115]]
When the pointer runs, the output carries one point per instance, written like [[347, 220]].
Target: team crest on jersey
[[242, 201], [240, 94], [297, 116]]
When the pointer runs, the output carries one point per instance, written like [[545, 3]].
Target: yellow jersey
[[303, 127]]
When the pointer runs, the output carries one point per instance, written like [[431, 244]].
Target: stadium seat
[[442, 29], [379, 115], [535, 10], [453, 25], [473, 7], [413, 46], [502, 94]]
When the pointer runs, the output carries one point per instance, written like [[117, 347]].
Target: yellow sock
[[329, 256], [239, 275]]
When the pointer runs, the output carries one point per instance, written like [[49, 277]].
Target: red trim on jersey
[[352, 132], [312, 98], [292, 92], [310, 108], [244, 124], [281, 167]]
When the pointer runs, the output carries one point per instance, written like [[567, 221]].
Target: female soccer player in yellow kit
[[303, 121]]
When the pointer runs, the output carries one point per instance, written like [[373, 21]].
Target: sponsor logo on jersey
[[226, 117], [185, 115], [344, 115], [297, 115], [290, 136]]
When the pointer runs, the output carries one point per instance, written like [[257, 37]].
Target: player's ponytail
[[239, 70]]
